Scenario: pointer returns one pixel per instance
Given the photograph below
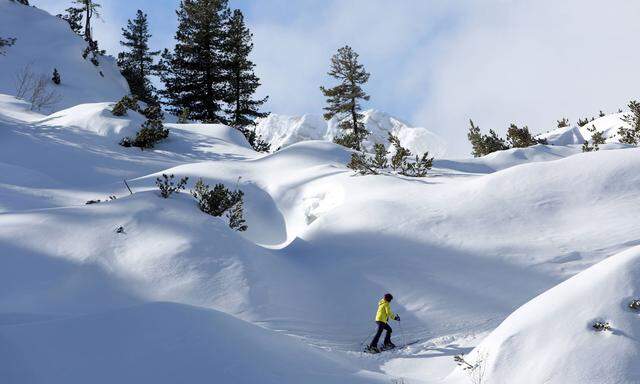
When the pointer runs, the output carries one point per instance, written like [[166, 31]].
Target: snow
[[551, 339], [43, 43], [281, 131], [514, 253], [608, 125]]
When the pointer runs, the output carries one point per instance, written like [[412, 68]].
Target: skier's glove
[[397, 317]]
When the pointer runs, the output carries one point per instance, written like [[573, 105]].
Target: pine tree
[[631, 135], [344, 99], [240, 78], [193, 74], [56, 77], [521, 137], [73, 16], [137, 63], [90, 10], [484, 144]]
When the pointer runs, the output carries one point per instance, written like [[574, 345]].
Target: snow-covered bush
[[563, 123], [121, 107], [362, 164], [167, 186], [255, 140], [219, 200], [151, 132], [635, 304], [475, 370], [400, 161], [601, 326], [380, 154]]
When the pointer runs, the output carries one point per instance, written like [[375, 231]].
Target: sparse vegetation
[[484, 144], [563, 123], [168, 186], [635, 304], [219, 200], [36, 89], [631, 135], [521, 137], [600, 326], [4, 43], [597, 139], [124, 104], [151, 132], [475, 370], [56, 77]]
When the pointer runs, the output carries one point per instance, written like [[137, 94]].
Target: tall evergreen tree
[[344, 99], [193, 74], [137, 63], [241, 81]]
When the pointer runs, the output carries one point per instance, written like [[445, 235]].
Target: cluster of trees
[[207, 76], [631, 135], [484, 144]]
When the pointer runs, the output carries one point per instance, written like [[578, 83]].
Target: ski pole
[[404, 340]]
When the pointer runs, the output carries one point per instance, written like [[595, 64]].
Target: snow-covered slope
[[551, 340], [281, 131], [44, 42]]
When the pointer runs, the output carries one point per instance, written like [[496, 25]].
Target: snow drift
[[551, 340]]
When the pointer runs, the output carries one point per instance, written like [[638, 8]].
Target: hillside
[[513, 254]]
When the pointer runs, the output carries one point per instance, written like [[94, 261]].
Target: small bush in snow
[[56, 77], [631, 135], [255, 140], [6, 42], [583, 122], [362, 164], [597, 139], [121, 107], [120, 229], [601, 114], [476, 370], [35, 89], [635, 304], [601, 326], [167, 186], [151, 132], [219, 200], [563, 123], [400, 160]]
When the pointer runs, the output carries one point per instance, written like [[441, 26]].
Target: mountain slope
[[44, 42]]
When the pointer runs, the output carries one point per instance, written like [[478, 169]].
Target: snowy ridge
[[608, 124], [281, 131]]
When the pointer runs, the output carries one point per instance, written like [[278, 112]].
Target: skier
[[383, 315]]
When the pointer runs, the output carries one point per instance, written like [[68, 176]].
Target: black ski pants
[[382, 326]]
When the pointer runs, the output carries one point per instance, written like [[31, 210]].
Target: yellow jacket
[[384, 311]]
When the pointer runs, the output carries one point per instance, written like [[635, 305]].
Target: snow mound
[[163, 343], [95, 118], [45, 42], [608, 124], [281, 131], [551, 340]]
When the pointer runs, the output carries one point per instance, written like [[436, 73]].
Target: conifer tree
[[241, 81], [193, 74], [137, 63], [90, 10], [73, 16], [631, 135], [344, 99]]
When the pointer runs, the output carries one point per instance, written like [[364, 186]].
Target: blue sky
[[433, 63]]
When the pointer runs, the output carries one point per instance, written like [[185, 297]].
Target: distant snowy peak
[[608, 124], [281, 131], [44, 43]]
